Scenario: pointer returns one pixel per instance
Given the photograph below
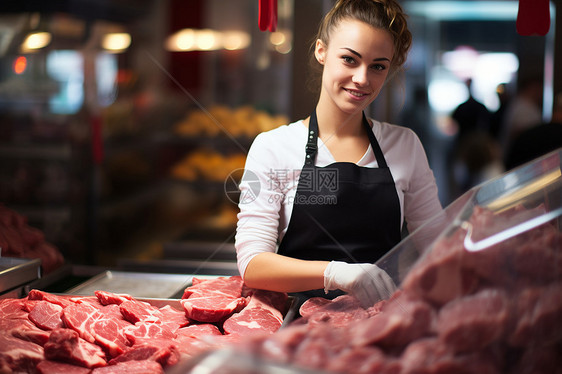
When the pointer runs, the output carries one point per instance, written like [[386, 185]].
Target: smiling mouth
[[356, 93]]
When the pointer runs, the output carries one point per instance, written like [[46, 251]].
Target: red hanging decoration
[[267, 19], [533, 17]]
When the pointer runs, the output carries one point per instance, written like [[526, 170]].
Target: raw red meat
[[143, 330], [173, 318], [226, 286], [67, 346], [261, 315], [473, 322], [213, 300], [55, 367], [199, 330], [491, 311], [81, 318], [46, 315], [24, 329], [401, 321], [442, 278], [107, 298], [95, 327], [363, 360], [63, 301], [129, 367], [12, 308], [163, 351], [212, 308], [338, 312], [94, 330], [136, 311], [18, 355], [539, 311]]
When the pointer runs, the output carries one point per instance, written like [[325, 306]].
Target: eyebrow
[[359, 55]]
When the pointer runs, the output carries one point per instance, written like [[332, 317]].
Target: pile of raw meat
[[115, 333], [498, 310], [19, 240]]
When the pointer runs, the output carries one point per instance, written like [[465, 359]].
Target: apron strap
[[374, 144], [312, 142]]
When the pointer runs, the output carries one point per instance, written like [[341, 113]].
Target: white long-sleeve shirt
[[272, 172]]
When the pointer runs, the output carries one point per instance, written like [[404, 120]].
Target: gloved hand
[[367, 282]]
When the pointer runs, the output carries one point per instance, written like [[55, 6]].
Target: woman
[[334, 189]]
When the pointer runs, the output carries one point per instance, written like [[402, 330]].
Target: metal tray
[[138, 285], [17, 271]]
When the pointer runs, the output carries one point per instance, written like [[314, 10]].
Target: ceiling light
[[36, 40], [116, 41]]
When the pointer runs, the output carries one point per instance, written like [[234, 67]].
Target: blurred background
[[124, 125]]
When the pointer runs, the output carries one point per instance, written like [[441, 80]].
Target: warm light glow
[[36, 40], [277, 38], [116, 41], [233, 40], [20, 64], [207, 40]]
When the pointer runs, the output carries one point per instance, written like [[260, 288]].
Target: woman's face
[[356, 64]]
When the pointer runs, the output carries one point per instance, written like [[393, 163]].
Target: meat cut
[[116, 333], [491, 311], [213, 300], [262, 315]]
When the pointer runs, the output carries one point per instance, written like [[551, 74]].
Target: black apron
[[342, 212]]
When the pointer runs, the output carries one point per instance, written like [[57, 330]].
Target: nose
[[360, 77]]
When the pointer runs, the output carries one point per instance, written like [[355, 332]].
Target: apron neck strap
[[312, 141]]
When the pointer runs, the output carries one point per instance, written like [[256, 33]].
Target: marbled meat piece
[[136, 311], [66, 345], [261, 315], [199, 330], [213, 300], [231, 286], [63, 301], [95, 327], [163, 351], [107, 298], [46, 315], [144, 330]]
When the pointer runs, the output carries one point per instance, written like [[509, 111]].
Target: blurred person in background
[[523, 112], [337, 187], [474, 156], [537, 140], [497, 118]]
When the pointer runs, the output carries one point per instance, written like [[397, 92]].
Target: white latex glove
[[367, 282]]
